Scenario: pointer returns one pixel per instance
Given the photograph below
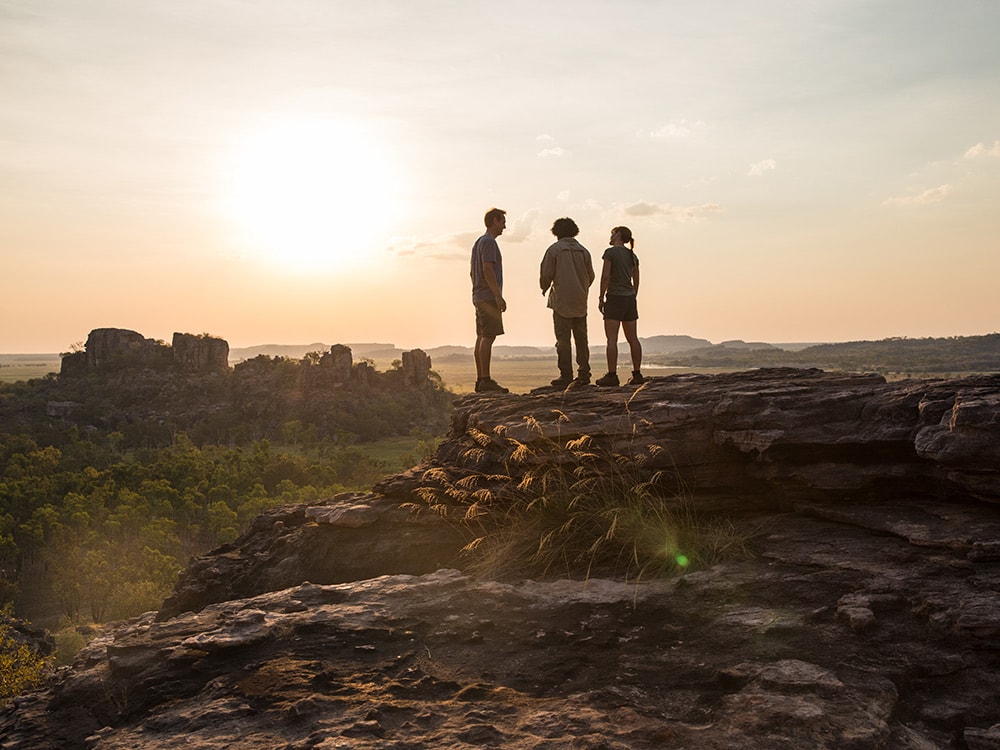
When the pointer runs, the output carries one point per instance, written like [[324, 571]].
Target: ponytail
[[626, 236]]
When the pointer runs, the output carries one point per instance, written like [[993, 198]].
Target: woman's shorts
[[489, 320], [623, 308]]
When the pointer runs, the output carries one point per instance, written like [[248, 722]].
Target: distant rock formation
[[151, 391], [416, 368], [115, 349], [200, 353], [338, 362], [868, 616], [60, 409], [111, 349], [108, 347]]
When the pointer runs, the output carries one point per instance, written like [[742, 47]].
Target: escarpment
[[866, 614]]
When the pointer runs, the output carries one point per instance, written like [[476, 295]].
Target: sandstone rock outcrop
[[867, 617], [110, 349], [338, 362], [766, 438], [114, 349], [151, 392], [349, 538], [106, 345], [200, 353], [416, 367]]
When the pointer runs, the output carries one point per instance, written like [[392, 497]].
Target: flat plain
[[15, 367]]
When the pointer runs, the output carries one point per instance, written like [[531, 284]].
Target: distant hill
[[663, 344], [953, 355], [746, 345], [670, 344]]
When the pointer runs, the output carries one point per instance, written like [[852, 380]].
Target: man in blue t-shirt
[[487, 296]]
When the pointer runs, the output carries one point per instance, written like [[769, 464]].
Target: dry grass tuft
[[578, 510]]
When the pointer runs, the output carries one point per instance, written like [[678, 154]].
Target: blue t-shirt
[[486, 250], [623, 262]]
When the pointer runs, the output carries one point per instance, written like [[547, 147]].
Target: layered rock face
[[867, 617], [416, 367], [338, 361], [200, 353], [104, 345], [766, 438], [113, 349]]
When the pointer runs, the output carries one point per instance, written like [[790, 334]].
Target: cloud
[[982, 150], [677, 129], [932, 195], [448, 248], [758, 169], [452, 247], [522, 227], [549, 151], [682, 213]]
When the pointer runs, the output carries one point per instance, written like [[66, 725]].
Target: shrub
[[21, 666], [69, 642]]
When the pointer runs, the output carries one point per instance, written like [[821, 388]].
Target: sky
[[318, 170]]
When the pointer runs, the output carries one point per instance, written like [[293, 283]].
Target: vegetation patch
[[571, 508], [22, 667], [110, 481]]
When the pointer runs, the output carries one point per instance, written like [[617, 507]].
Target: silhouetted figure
[[487, 297], [566, 274], [618, 303]]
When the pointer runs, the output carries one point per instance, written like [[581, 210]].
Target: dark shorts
[[489, 320], [623, 308]]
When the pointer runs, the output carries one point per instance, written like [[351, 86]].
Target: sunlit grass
[[575, 509]]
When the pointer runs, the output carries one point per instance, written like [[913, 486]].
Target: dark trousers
[[577, 327]]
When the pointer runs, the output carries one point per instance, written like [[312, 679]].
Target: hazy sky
[[317, 170]]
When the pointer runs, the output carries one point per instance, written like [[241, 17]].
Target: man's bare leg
[[483, 353]]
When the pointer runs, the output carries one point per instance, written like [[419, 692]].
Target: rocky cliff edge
[[868, 615]]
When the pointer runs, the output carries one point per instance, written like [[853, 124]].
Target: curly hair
[[565, 227]]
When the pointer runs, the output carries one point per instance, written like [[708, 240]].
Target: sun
[[309, 194]]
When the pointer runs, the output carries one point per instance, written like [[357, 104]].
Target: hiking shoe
[[489, 385], [610, 379], [582, 379], [637, 378], [562, 381]]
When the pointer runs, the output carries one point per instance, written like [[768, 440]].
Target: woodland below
[[112, 478]]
